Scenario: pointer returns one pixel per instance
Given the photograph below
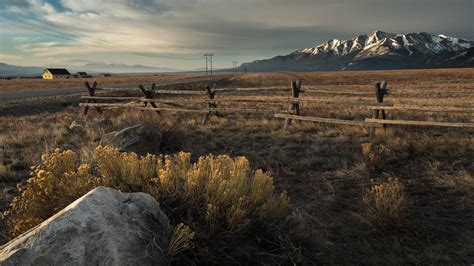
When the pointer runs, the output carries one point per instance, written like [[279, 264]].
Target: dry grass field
[[38, 84], [405, 196]]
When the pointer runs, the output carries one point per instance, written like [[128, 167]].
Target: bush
[[386, 203], [229, 211], [53, 185]]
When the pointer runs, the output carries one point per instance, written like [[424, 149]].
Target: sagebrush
[[217, 202], [386, 203]]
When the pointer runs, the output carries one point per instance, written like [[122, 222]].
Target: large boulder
[[105, 123], [77, 128], [104, 227], [140, 139]]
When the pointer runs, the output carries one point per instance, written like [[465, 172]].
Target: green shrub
[[227, 210]]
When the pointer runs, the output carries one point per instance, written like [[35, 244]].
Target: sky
[[176, 33]]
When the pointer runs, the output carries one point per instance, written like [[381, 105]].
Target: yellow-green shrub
[[214, 186], [217, 197], [53, 185]]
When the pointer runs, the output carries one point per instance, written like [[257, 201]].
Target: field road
[[7, 96]]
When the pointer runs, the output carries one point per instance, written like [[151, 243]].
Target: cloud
[[6, 57], [186, 28]]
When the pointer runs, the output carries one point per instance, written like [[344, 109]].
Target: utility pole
[[210, 57], [208, 62], [234, 65]]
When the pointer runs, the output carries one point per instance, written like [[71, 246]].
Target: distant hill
[[378, 50], [12, 70], [7, 70], [122, 68]]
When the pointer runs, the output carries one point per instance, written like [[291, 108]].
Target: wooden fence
[[216, 102]]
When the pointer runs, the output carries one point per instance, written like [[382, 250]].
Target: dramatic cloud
[[175, 33]]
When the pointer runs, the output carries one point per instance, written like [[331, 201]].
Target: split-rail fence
[[217, 101]]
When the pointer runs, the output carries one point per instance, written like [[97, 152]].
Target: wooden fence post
[[383, 91], [91, 90], [149, 95], [294, 106], [211, 93], [380, 92]]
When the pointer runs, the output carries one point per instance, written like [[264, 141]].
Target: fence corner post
[[295, 104], [149, 96], [91, 90], [211, 93], [380, 92]]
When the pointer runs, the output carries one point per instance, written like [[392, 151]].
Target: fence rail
[[211, 102], [419, 123], [424, 109], [326, 120]]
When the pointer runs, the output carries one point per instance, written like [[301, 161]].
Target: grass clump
[[375, 159], [386, 204], [221, 208], [180, 240]]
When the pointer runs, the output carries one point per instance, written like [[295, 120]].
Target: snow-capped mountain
[[381, 43], [378, 50]]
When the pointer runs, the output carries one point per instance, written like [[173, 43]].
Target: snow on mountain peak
[[377, 36], [379, 43]]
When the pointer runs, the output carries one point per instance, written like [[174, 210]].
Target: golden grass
[[180, 241], [35, 84], [386, 203]]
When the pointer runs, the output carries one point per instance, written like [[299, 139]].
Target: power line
[[234, 65], [207, 62], [209, 57]]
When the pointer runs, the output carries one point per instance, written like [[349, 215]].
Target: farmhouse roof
[[58, 71]]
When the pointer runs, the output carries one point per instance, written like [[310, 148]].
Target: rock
[[105, 124], [6, 197], [10, 191], [140, 139], [104, 227], [77, 128]]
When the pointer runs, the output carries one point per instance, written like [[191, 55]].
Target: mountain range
[[6, 69], [123, 68], [378, 50]]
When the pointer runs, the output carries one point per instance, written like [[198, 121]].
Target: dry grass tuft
[[180, 241], [376, 159], [386, 204]]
